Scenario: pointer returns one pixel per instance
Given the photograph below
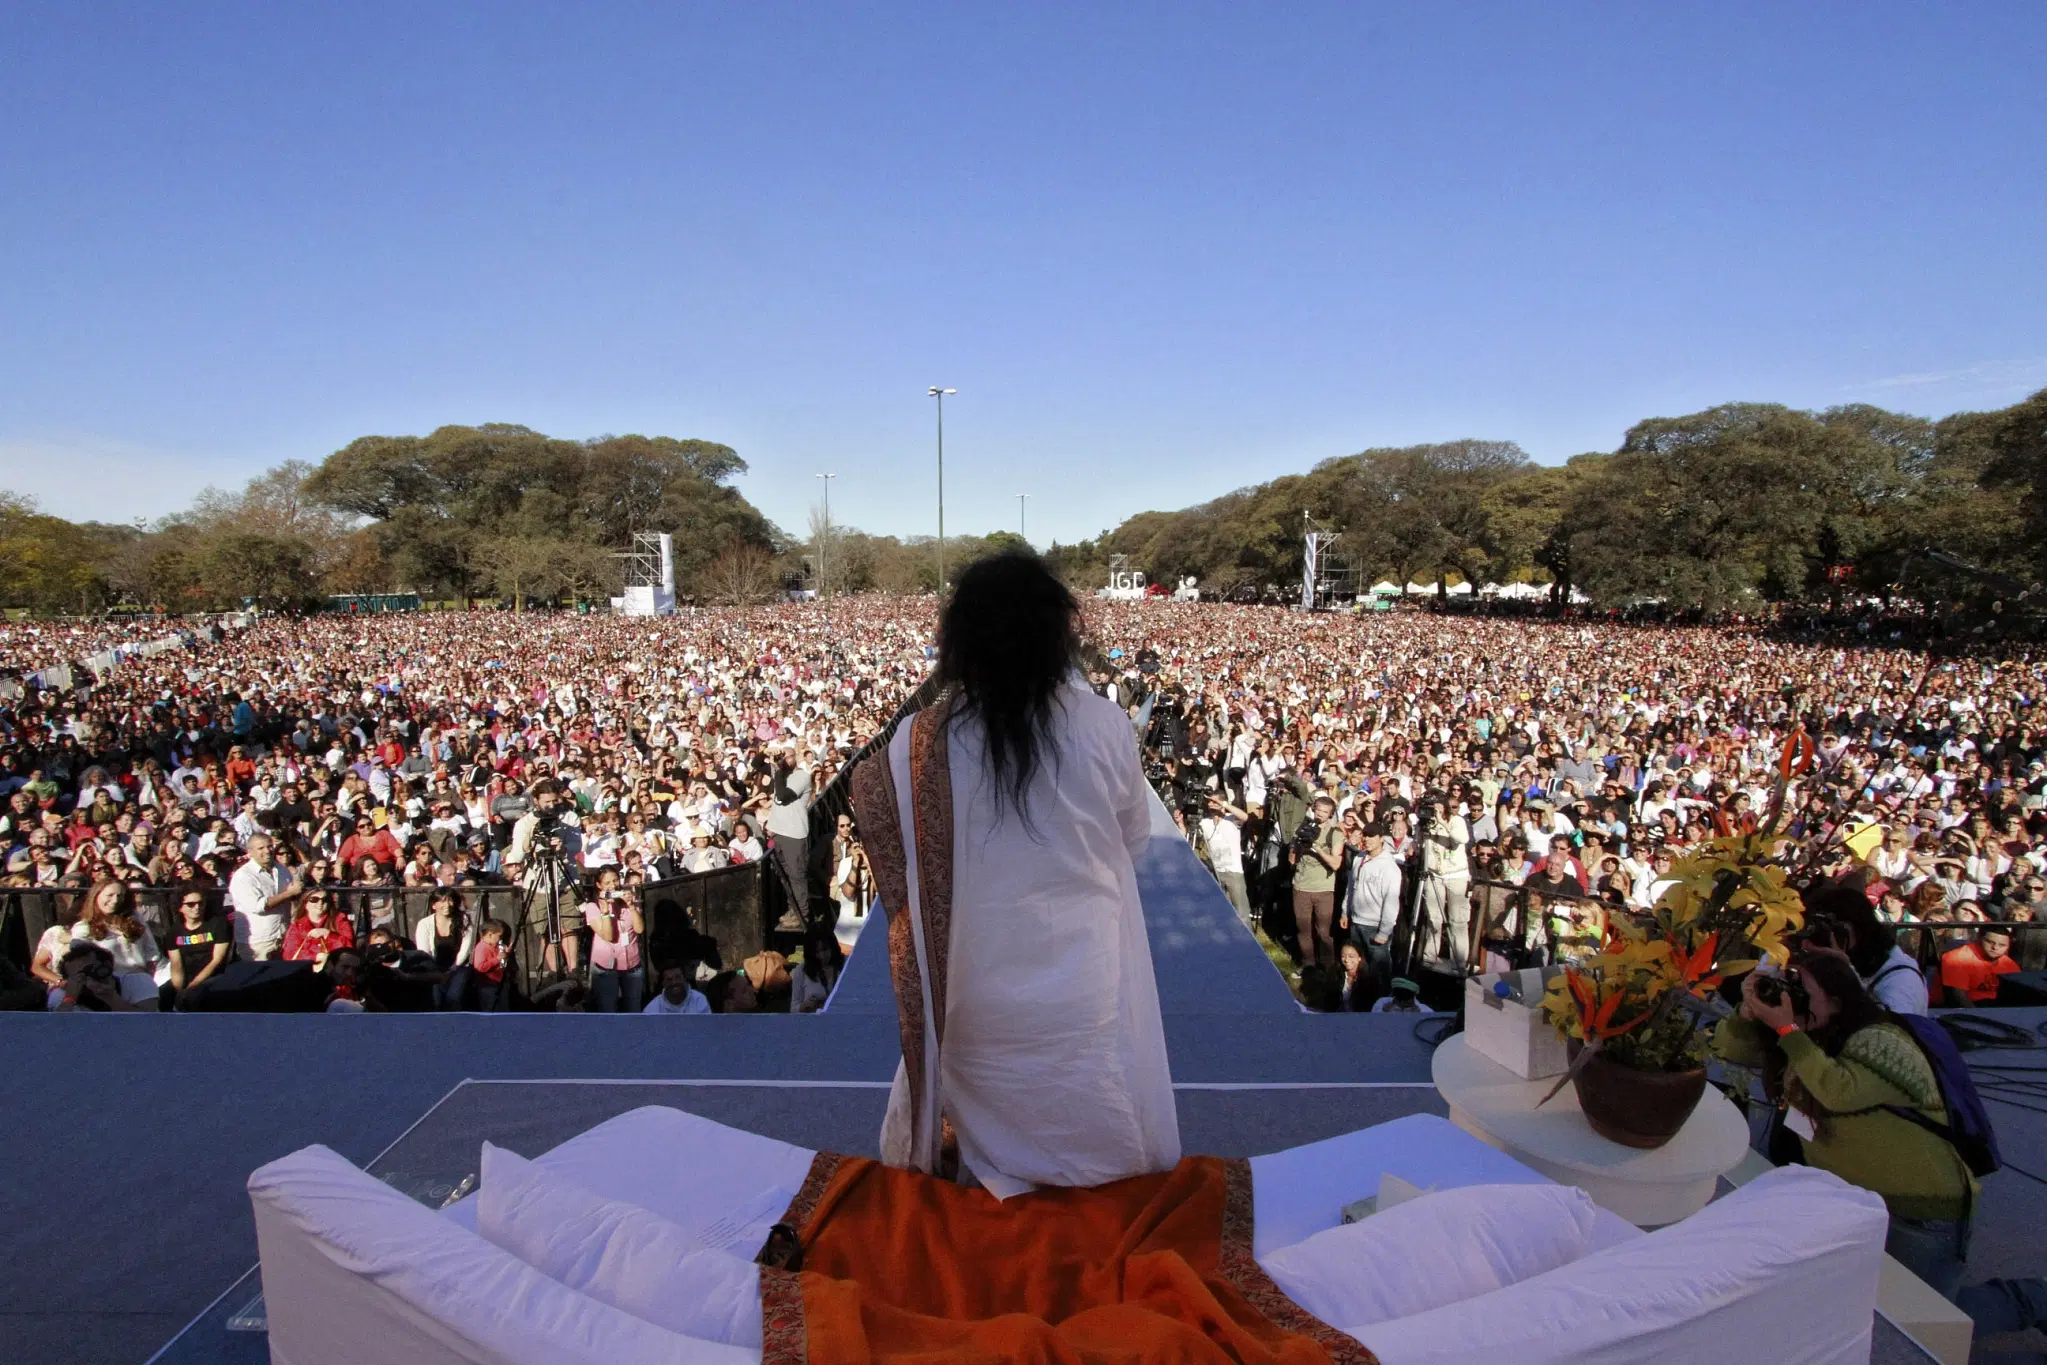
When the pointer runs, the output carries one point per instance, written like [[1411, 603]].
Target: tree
[[520, 567], [742, 574], [440, 498], [2015, 441], [246, 566], [47, 564]]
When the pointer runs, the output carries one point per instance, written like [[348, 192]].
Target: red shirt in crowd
[[1973, 972], [379, 845], [304, 941]]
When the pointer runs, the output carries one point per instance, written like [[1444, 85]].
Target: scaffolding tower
[[649, 576], [1327, 576]]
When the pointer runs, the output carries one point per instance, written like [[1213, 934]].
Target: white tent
[[1460, 590], [1417, 589], [1385, 589]]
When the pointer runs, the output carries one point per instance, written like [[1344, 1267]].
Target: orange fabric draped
[[1155, 1270]]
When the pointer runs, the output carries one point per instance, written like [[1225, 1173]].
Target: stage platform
[[129, 1137]]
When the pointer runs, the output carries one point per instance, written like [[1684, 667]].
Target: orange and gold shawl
[[900, 1266]]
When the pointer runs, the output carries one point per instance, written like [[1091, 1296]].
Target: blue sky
[[1161, 251]]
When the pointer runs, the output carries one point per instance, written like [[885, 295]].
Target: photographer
[[617, 981], [1837, 1059], [543, 834], [1446, 884], [1222, 836], [1318, 852], [1839, 916]]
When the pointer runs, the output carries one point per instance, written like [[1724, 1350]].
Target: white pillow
[[1433, 1250], [616, 1253]]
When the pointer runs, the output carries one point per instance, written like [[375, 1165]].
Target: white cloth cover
[[1301, 1191], [636, 1261], [693, 1171], [355, 1273], [1783, 1269], [1054, 1069], [1437, 1249]]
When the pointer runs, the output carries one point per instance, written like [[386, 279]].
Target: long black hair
[[1006, 642]]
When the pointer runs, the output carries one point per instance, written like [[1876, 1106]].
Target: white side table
[[1649, 1189]]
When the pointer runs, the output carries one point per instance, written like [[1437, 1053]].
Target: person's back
[[1049, 1060], [1047, 929]]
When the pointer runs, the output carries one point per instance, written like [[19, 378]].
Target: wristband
[[1785, 1030]]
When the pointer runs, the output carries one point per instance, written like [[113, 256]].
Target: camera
[[1774, 990], [1309, 830]]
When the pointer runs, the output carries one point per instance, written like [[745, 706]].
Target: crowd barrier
[[62, 677]]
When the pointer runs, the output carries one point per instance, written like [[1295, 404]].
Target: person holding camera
[[1446, 884], [616, 979], [1843, 1067], [1222, 836], [1318, 852], [541, 836]]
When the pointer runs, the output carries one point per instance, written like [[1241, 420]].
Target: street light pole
[[825, 538], [1020, 518], [936, 392]]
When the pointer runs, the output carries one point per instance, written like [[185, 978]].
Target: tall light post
[[824, 538], [1020, 518], [935, 392]]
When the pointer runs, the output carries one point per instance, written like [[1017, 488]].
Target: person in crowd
[[489, 965], [852, 887], [677, 995], [617, 980], [317, 931], [1222, 839], [1841, 916], [110, 923], [1844, 1067], [200, 944], [1445, 924], [1371, 910], [788, 827], [1969, 971], [1317, 858], [811, 980], [551, 913], [262, 892], [731, 993], [446, 934]]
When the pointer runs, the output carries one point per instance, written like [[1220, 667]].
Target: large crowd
[[1509, 783], [1504, 782]]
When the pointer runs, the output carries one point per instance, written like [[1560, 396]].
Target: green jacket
[[1919, 1174], [1289, 800]]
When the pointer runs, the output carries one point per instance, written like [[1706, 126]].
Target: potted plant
[[1639, 1047]]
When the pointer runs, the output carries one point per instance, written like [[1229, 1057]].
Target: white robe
[[1054, 1066]]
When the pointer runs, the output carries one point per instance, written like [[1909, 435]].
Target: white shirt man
[[262, 892]]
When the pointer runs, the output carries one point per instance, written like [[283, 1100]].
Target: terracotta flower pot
[[1642, 1109]]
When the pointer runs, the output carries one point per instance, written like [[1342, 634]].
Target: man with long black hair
[[1003, 824]]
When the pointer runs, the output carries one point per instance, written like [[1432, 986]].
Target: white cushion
[[1436, 1249], [1302, 1190], [693, 1171], [355, 1273], [1782, 1270], [637, 1262]]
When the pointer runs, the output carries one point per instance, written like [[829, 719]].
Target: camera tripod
[[550, 876]]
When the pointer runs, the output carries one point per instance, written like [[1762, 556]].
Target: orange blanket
[[899, 1266]]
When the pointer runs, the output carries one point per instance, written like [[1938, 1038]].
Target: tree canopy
[[465, 511], [1730, 507]]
